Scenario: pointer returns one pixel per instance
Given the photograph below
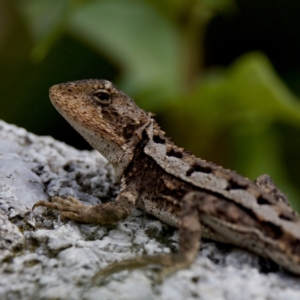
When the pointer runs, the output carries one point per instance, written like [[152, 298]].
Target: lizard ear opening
[[101, 97]]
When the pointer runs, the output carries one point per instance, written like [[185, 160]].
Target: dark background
[[175, 58]]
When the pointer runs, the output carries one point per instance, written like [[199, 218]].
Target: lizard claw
[[58, 203], [69, 207]]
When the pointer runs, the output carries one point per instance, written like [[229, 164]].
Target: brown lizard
[[196, 196]]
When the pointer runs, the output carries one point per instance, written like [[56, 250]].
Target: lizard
[[201, 199]]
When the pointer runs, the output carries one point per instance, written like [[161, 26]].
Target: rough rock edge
[[44, 258]]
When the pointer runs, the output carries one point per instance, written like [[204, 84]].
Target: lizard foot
[[69, 207], [101, 214]]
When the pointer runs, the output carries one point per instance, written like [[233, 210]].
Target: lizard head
[[106, 117]]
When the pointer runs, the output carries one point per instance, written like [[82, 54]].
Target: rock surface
[[45, 258]]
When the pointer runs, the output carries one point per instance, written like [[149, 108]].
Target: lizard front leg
[[102, 214]]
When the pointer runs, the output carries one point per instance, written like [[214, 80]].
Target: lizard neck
[[116, 154]]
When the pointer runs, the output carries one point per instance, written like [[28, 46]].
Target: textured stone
[[45, 258]]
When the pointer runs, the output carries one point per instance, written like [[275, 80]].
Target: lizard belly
[[165, 214]]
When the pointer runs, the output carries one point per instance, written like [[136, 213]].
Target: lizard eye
[[101, 97]]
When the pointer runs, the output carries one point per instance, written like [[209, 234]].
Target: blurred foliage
[[170, 56]]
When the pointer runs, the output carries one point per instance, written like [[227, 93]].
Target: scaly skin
[[198, 197]]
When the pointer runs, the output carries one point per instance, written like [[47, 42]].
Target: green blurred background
[[222, 75]]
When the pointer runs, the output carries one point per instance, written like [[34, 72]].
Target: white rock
[[45, 258]]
